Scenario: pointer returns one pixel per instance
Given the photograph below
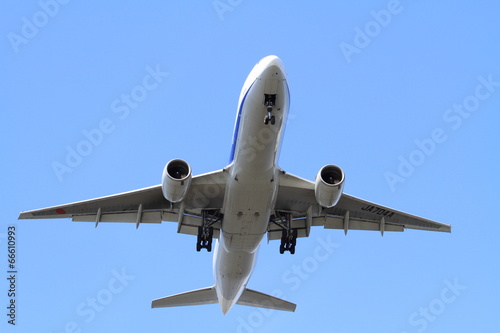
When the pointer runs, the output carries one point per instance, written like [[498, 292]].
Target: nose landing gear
[[269, 102], [269, 118]]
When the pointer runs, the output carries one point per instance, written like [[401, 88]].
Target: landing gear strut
[[269, 101], [206, 231], [288, 234]]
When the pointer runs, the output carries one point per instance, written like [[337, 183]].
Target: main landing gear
[[288, 241], [269, 101], [288, 234], [205, 239], [206, 231]]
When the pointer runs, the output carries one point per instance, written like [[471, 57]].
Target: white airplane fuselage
[[253, 180]]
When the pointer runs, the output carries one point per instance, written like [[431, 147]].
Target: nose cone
[[271, 62], [271, 68]]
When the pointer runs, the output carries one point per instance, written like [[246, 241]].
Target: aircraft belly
[[248, 205]]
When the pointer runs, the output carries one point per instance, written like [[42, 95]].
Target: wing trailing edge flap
[[188, 224], [338, 222], [302, 225], [144, 217]]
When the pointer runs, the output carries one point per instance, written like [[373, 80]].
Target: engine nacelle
[[176, 180], [329, 185]]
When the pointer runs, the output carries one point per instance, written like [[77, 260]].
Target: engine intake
[[329, 185], [176, 179]]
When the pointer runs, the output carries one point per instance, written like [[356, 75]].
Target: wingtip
[[23, 215]]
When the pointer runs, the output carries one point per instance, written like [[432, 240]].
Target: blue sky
[[403, 95]]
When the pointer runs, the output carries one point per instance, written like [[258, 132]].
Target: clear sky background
[[404, 96]]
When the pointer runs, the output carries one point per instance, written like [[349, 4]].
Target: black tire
[[273, 120]]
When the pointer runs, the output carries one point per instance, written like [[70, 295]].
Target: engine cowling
[[329, 185], [176, 179]]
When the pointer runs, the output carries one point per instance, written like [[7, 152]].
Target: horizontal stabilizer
[[195, 297], [257, 299], [208, 295]]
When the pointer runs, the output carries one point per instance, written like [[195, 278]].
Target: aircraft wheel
[[273, 120]]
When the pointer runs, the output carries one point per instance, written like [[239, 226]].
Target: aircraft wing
[[296, 196], [147, 205]]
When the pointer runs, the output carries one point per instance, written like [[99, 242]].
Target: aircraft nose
[[272, 68], [272, 61]]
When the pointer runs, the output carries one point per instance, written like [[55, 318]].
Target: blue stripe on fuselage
[[237, 126]]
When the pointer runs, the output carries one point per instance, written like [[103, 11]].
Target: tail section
[[208, 295]]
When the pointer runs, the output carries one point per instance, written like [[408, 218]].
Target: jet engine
[[175, 180], [329, 185]]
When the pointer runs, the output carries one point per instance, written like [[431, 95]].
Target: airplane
[[248, 199]]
